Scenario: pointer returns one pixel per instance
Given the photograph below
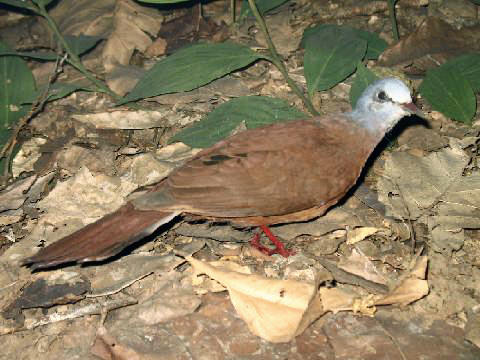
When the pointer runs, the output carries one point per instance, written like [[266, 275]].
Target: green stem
[[393, 19], [74, 60], [277, 60]]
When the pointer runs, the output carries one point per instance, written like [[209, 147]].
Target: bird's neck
[[376, 124]]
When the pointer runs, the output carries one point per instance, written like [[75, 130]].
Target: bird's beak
[[413, 109]]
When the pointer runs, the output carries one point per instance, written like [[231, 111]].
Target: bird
[[280, 173]]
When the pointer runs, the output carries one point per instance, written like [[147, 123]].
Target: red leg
[[279, 247]]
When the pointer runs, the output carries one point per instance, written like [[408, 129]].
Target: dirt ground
[[196, 289]]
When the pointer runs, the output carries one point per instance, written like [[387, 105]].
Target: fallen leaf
[[359, 234], [262, 302]]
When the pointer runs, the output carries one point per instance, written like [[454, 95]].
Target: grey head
[[382, 104]]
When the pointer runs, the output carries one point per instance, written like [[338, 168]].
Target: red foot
[[279, 247]]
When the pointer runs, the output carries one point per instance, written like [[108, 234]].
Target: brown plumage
[[285, 172]]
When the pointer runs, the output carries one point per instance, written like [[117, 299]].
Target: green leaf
[[82, 43], [450, 93], [42, 2], [469, 67], [16, 85], [18, 3], [363, 78], [375, 44], [330, 57], [254, 111], [190, 68], [263, 6]]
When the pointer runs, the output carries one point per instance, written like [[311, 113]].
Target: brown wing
[[274, 170]]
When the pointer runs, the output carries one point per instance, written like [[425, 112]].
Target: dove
[[280, 173]]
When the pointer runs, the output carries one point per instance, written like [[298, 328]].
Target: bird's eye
[[382, 96]]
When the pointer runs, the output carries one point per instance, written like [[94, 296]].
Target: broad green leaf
[[330, 57], [16, 85], [450, 93], [363, 78], [263, 6], [190, 68], [57, 91], [469, 67], [82, 43], [253, 111], [42, 2], [375, 44], [18, 3]]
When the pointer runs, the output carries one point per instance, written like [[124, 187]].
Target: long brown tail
[[101, 239]]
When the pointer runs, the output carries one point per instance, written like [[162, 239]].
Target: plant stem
[[74, 60], [232, 11], [393, 19], [277, 61]]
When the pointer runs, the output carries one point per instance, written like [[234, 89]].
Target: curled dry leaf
[[27, 156], [359, 234], [133, 25], [413, 286], [276, 310], [205, 284]]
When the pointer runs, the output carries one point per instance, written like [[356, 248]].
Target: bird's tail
[[101, 239]]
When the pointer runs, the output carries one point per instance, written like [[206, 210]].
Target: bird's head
[[383, 103]]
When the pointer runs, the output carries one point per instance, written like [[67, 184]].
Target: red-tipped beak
[[413, 109]]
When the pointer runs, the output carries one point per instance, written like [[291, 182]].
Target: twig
[[393, 19], [121, 287], [232, 11], [37, 106], [73, 59], [277, 61], [90, 309]]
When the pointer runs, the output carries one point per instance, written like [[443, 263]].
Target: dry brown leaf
[[359, 264], [27, 156], [434, 42], [14, 195], [106, 347], [273, 309], [124, 119], [412, 288], [285, 38], [411, 185], [335, 299], [133, 25], [359, 234], [84, 17], [204, 284]]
